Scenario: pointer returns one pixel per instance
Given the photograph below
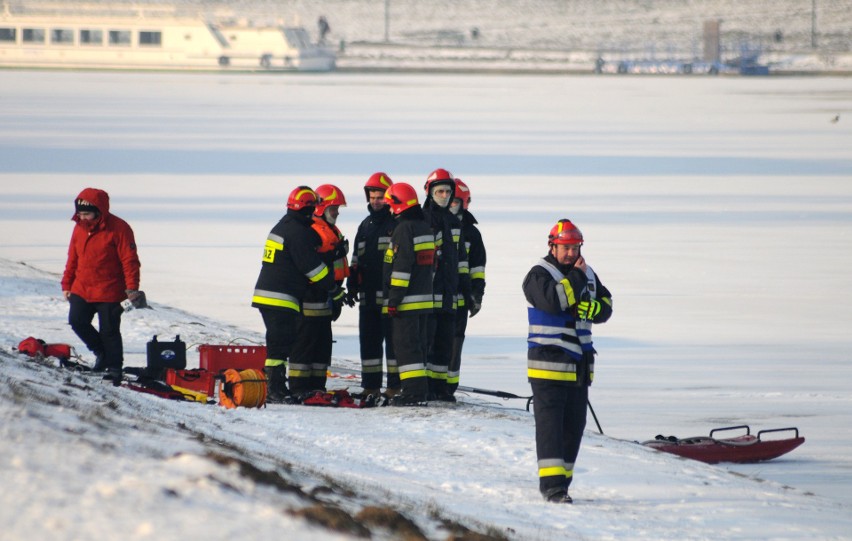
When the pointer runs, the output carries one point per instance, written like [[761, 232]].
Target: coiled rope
[[246, 388]]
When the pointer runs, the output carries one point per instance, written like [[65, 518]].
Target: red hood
[[96, 197]]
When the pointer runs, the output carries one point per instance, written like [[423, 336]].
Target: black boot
[[100, 365], [113, 375], [276, 382]]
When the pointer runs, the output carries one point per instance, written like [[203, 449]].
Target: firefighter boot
[[276, 377]]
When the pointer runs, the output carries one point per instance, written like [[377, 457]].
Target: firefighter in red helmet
[[407, 277], [311, 354], [565, 299], [452, 278], [290, 264], [472, 303], [365, 286]]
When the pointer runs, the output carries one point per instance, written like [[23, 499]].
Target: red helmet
[[400, 197], [565, 232], [378, 181], [462, 192], [302, 197], [329, 195], [439, 176]]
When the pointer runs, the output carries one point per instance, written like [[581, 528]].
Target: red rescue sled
[[742, 449]]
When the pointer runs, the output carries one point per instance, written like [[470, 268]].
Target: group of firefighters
[[417, 273]]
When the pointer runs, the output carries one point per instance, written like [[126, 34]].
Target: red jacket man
[[102, 270]]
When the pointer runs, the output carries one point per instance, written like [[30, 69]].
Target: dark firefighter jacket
[[452, 276], [290, 263], [371, 243], [475, 249], [409, 265], [559, 344]]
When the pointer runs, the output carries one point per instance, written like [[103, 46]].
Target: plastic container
[[215, 358]]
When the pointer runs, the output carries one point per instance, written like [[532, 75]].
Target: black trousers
[[560, 418], [454, 371], [105, 341], [440, 351], [311, 355], [281, 327], [409, 343], [375, 336]]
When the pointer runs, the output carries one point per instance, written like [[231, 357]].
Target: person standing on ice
[[409, 264], [290, 263], [565, 298], [365, 285], [451, 278], [311, 355], [472, 303], [102, 270]]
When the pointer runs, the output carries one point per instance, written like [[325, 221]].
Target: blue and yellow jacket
[[560, 347]]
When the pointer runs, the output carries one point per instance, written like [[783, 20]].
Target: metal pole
[[813, 24], [595, 417], [387, 21]]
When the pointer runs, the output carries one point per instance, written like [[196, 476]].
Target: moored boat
[[153, 37], [744, 448]]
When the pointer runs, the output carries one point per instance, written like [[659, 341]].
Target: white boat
[[275, 47], [157, 38]]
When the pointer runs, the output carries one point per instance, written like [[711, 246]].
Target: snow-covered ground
[[718, 211]]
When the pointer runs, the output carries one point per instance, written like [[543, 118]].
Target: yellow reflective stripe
[[399, 283], [318, 275], [317, 313], [299, 373], [477, 276], [550, 374], [275, 362], [414, 306], [424, 246], [412, 374], [437, 375], [276, 302], [569, 291], [554, 470], [274, 244], [269, 250]]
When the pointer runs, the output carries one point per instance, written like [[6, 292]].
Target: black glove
[[336, 296], [136, 298], [351, 298], [475, 306]]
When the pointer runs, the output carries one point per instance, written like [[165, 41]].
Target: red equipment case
[[218, 358], [195, 380]]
